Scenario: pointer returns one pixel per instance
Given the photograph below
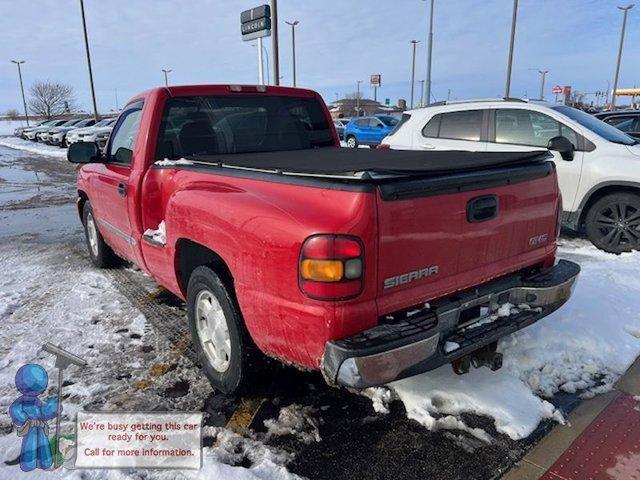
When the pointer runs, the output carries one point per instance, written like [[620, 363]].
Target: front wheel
[[352, 142], [100, 253], [219, 336], [613, 223]]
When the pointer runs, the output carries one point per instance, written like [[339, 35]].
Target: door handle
[[481, 209], [122, 189], [428, 146]]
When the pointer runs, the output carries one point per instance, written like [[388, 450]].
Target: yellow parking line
[[244, 415]]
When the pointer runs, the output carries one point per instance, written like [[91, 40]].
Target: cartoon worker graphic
[[30, 415]]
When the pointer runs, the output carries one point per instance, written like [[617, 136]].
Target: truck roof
[[367, 164]]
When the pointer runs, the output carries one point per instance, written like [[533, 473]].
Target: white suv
[[598, 171]]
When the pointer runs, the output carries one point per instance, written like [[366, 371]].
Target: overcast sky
[[337, 42]]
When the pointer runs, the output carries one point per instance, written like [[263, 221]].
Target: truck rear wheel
[[100, 253], [219, 336], [613, 223]]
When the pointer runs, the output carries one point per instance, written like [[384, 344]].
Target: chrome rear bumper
[[446, 332]]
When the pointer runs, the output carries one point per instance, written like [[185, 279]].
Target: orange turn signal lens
[[322, 270]]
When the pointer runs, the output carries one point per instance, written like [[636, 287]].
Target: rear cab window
[[228, 124]]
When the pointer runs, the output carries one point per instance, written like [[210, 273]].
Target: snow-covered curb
[[33, 147]]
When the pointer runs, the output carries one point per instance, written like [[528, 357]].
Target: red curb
[[608, 449]]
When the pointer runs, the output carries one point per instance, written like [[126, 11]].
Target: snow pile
[[380, 398], [33, 147], [171, 163], [294, 420], [159, 235]]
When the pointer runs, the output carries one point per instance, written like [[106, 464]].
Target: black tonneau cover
[[369, 163]]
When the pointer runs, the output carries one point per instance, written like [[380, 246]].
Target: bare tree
[[49, 99], [12, 114]]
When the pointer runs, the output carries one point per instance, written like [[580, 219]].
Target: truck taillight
[[559, 219], [331, 267]]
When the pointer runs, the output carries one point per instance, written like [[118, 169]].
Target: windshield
[[230, 124], [389, 121], [69, 123], [598, 127]]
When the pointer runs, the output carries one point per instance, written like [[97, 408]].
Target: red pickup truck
[[369, 265]]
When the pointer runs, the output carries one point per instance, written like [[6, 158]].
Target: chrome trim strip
[[124, 235]]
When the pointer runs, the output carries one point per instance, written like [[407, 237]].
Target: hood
[[102, 130]]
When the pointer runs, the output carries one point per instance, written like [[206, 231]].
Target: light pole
[[86, 45], [166, 76], [615, 79], [24, 101], [429, 51], [274, 42], [358, 82], [421, 93], [413, 68], [543, 75], [293, 47], [507, 88]]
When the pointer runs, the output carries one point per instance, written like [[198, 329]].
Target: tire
[[220, 339], [613, 223], [352, 142], [100, 253]]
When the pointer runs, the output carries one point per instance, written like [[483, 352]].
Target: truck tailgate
[[445, 234]]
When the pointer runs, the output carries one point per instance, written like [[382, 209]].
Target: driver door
[[112, 183]]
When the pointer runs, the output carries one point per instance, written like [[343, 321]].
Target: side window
[[525, 127], [465, 125], [615, 121], [124, 135], [374, 122], [571, 135], [431, 129], [362, 123]]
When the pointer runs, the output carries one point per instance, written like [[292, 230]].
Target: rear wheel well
[[602, 192], [190, 255]]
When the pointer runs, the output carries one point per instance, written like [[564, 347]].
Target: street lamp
[[615, 80], [543, 74], [24, 101], [429, 50], [358, 82], [421, 93], [514, 17], [413, 68], [293, 46], [86, 45], [166, 78]]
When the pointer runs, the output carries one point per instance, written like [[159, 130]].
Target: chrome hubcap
[[213, 331], [92, 233], [351, 143]]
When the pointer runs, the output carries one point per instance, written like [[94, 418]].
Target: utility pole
[[507, 88], [86, 44], [274, 42], [429, 51], [421, 93], [448, 94], [358, 82], [293, 47], [24, 101], [413, 69], [166, 77], [615, 79]]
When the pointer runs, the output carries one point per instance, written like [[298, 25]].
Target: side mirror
[[83, 152], [380, 125], [563, 146]]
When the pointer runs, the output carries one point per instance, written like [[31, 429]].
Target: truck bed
[[367, 164]]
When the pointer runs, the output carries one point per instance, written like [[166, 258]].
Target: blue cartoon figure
[[30, 415]]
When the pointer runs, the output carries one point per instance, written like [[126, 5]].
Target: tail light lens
[[559, 219], [331, 267]]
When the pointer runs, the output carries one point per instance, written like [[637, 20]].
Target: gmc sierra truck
[[368, 265]]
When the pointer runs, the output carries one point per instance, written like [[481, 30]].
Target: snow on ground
[[584, 347], [33, 147], [8, 126]]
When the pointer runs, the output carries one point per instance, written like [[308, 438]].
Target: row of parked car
[[63, 133]]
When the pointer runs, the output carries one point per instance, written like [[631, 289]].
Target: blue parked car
[[368, 130]]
